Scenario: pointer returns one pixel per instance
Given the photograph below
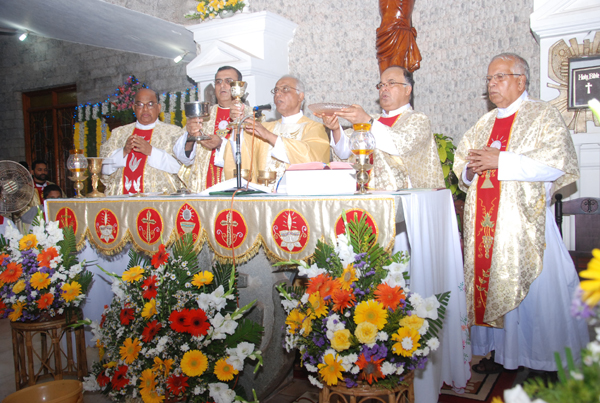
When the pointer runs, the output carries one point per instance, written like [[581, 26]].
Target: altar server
[[519, 278]]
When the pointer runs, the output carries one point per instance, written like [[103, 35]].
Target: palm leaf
[[247, 330], [436, 325]]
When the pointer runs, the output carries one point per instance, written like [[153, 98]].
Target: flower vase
[[226, 13], [403, 393]]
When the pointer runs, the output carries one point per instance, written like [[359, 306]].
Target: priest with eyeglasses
[[405, 153], [138, 156]]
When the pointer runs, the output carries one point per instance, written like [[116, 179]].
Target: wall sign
[[584, 81]]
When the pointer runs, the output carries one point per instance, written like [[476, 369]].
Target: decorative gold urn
[[362, 145]]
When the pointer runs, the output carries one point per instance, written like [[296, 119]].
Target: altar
[[263, 229]]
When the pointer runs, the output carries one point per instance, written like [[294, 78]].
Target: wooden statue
[[396, 38]]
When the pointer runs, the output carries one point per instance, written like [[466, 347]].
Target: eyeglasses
[[390, 84], [284, 90], [227, 81], [499, 77], [149, 105]]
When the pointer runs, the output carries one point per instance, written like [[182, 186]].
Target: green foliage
[[446, 151]]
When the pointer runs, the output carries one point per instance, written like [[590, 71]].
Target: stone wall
[[40, 63]]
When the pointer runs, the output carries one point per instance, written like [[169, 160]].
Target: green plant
[[209, 9], [446, 150]]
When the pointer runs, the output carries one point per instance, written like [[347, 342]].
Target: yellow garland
[[183, 119], [76, 137], [172, 117], [85, 136], [162, 116], [98, 137]]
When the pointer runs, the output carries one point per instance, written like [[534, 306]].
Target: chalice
[[201, 110], [266, 177], [362, 145], [238, 90], [95, 167], [245, 173]]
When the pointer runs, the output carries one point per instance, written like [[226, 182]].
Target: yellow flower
[[201, 8], [306, 326], [348, 277], [39, 280], [133, 274], [19, 286], [412, 321], [591, 287], [130, 350], [294, 320], [27, 242], [147, 380], [149, 309], [111, 364], [318, 307], [17, 311], [366, 332], [100, 349], [162, 366], [202, 278], [151, 396], [341, 340], [408, 341], [224, 371], [331, 370], [71, 291], [194, 363], [497, 399], [371, 311]]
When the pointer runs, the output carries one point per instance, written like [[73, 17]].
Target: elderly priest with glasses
[[519, 278], [294, 139], [405, 153], [138, 155]]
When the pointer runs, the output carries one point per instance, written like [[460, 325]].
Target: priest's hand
[[354, 114], [236, 110], [332, 123], [194, 126], [128, 146], [141, 146], [213, 142], [258, 130], [483, 159]]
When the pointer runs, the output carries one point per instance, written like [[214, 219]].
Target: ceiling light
[[24, 36], [180, 57]]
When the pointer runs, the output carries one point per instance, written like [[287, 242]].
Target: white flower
[[355, 370], [117, 288], [395, 279], [197, 390], [55, 233], [23, 298], [347, 314], [310, 368], [433, 343], [90, 384], [12, 234], [75, 269], [244, 349], [578, 376], [203, 301], [219, 392], [518, 395], [34, 294], [236, 362], [58, 276], [407, 343], [216, 298], [315, 382], [344, 250], [348, 361], [330, 351], [304, 298], [396, 267], [382, 336], [310, 272], [184, 347], [400, 370], [387, 368], [289, 305], [428, 309], [415, 299]]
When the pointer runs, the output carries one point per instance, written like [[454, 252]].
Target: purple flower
[[350, 383], [580, 309]]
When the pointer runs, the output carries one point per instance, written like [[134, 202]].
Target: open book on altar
[[317, 178]]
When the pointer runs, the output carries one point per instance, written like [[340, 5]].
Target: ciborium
[[95, 167], [362, 145], [245, 173], [266, 177], [77, 164]]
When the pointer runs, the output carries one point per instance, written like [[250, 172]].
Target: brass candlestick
[[95, 167], [77, 164], [78, 176]]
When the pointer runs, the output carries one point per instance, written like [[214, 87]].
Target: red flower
[[177, 384], [118, 380], [198, 323], [160, 257], [149, 287], [127, 315], [342, 299], [180, 320], [371, 370], [102, 379], [2, 308], [150, 331], [389, 296], [103, 317]]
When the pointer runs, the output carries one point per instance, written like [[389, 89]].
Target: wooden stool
[[365, 392], [31, 365]]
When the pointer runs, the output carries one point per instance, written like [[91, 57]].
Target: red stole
[[40, 190], [213, 174], [488, 197], [389, 122], [133, 173]]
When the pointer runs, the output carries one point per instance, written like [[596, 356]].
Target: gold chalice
[[266, 177], [95, 167], [238, 90], [245, 173]]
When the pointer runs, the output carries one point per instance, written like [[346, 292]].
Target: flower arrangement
[[173, 331], [577, 384], [446, 151], [357, 321], [209, 9], [40, 273], [122, 106]]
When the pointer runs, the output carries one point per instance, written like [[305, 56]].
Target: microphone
[[266, 107]]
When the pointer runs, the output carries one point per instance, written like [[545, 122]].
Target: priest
[[203, 164], [138, 156], [519, 277], [406, 153], [293, 139]]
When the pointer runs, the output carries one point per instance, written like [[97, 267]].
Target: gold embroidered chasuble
[[194, 175], [305, 141], [418, 158], [539, 133], [164, 138]]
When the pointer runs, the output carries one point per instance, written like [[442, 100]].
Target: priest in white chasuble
[[406, 153], [203, 164], [139, 155], [294, 139], [519, 277]]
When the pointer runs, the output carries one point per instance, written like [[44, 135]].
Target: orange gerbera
[[160, 257], [371, 370], [45, 301], [46, 256], [342, 299], [2, 257], [39, 280], [315, 283], [27, 242], [388, 296], [12, 272]]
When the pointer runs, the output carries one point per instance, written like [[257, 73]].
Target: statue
[[396, 38]]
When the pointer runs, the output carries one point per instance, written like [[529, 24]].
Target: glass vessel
[[77, 164], [362, 145]]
